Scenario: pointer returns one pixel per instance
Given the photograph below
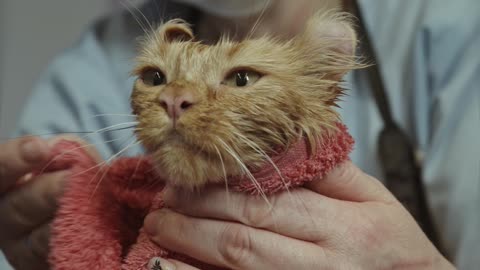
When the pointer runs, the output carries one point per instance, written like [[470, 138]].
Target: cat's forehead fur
[[197, 61], [173, 49]]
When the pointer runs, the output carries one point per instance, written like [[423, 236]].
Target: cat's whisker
[[103, 162], [245, 170], [136, 169], [113, 114], [110, 129], [132, 10], [116, 129], [259, 20], [114, 126], [161, 11], [262, 153], [143, 16], [43, 135], [85, 134], [257, 149], [131, 144], [224, 173], [73, 150]]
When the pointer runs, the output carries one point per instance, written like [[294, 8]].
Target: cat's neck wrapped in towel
[[98, 225]]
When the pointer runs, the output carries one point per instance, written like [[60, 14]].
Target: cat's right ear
[[330, 41], [176, 30], [332, 29]]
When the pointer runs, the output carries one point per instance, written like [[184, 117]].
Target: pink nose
[[176, 104]]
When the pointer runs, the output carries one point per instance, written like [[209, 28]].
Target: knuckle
[[39, 243], [258, 215], [371, 233], [163, 223], [161, 226], [235, 245], [350, 174], [16, 210]]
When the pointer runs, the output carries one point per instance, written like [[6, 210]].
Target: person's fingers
[[300, 213], [19, 157], [231, 245], [39, 241], [29, 206], [164, 264], [31, 251], [347, 182]]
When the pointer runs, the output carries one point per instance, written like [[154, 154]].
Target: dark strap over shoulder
[[402, 172]]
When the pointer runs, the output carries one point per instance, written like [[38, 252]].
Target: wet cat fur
[[230, 130]]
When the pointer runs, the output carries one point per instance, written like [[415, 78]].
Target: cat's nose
[[176, 104]]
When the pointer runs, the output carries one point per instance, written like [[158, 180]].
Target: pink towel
[[100, 218]]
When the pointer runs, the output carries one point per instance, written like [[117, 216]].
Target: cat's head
[[205, 111]]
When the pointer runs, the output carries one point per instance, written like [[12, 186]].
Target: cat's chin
[[189, 169]]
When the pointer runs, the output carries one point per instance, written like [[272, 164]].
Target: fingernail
[[157, 263], [33, 150]]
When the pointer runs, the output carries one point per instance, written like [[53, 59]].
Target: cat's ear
[[176, 30], [330, 40], [334, 30]]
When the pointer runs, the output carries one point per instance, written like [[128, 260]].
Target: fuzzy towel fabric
[[99, 222]]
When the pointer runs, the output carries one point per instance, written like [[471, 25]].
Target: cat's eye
[[242, 78], [153, 77]]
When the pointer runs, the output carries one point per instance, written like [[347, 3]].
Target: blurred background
[[31, 33]]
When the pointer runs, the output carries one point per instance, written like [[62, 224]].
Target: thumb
[[20, 157], [347, 182]]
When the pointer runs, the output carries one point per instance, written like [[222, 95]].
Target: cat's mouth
[[185, 162], [175, 139]]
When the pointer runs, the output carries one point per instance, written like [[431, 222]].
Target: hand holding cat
[[348, 220], [27, 204]]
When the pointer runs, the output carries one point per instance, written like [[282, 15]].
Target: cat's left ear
[[176, 30], [330, 41]]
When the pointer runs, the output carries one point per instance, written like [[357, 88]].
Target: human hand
[[348, 220], [27, 204]]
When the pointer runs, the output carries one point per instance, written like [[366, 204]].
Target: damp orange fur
[[232, 129]]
